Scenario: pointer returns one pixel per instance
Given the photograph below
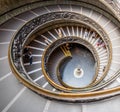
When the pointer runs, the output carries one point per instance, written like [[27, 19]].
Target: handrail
[[28, 28], [72, 39], [72, 97], [60, 96], [58, 73], [99, 31], [37, 4], [28, 77]]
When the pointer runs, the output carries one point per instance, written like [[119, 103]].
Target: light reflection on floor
[[82, 58]]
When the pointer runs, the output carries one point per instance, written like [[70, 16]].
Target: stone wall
[[11, 8], [7, 5]]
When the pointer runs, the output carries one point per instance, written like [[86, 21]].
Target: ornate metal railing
[[17, 46], [29, 28], [60, 42]]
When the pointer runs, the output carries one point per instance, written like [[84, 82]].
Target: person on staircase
[[30, 57]]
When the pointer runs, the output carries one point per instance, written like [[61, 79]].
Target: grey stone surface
[[12, 24], [53, 8], [36, 75], [5, 36], [26, 16], [4, 67], [3, 50], [64, 107], [9, 87], [85, 11], [28, 102], [111, 105], [40, 11]]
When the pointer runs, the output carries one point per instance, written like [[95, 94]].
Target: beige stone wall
[[7, 5], [10, 8]]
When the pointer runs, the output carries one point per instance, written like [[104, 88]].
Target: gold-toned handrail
[[109, 50], [40, 90], [67, 88], [60, 96], [58, 72]]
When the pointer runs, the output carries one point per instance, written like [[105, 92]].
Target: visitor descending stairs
[[82, 33], [86, 34], [39, 42], [38, 45]]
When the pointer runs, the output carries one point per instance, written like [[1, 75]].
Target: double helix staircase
[[108, 55]]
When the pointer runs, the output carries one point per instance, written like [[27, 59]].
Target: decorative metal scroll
[[37, 22], [62, 41]]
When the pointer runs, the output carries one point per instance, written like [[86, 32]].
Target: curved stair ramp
[[39, 37]]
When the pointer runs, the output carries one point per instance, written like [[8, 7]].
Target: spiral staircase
[[62, 37]]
